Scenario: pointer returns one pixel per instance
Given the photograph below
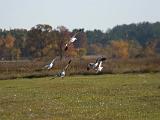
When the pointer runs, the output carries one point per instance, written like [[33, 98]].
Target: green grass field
[[101, 97]]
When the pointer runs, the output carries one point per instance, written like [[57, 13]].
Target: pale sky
[[87, 14]]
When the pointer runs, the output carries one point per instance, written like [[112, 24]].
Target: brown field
[[28, 68]]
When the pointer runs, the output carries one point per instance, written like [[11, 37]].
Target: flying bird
[[63, 72], [99, 68], [49, 66], [72, 40], [97, 65]]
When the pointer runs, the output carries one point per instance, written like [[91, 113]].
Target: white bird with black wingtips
[[72, 40], [63, 72], [49, 66], [99, 68], [97, 65]]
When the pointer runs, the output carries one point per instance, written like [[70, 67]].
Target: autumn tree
[[9, 46], [152, 48], [62, 38], [9, 41], [72, 51], [120, 49], [134, 49], [20, 41], [37, 39], [95, 49]]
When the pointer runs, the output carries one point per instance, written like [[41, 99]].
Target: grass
[[101, 97]]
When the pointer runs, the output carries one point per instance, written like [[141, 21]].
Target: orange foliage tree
[[120, 48], [9, 41]]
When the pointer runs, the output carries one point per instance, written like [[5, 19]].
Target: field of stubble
[[101, 97]]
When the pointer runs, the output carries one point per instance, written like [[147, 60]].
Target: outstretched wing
[[46, 66], [67, 65], [73, 38], [99, 68], [98, 59], [54, 59], [75, 35], [102, 59], [100, 64], [90, 65]]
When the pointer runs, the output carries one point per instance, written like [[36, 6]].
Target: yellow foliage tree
[[9, 41], [15, 52], [120, 48]]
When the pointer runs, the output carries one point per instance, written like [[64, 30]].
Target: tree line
[[42, 40]]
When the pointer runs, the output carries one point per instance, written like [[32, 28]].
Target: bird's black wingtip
[[66, 48], [88, 68], [69, 61], [103, 58]]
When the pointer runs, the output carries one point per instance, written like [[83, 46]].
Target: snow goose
[[63, 72], [49, 66], [97, 65], [72, 40]]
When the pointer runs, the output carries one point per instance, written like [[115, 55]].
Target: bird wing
[[49, 66], [75, 34], [73, 39], [67, 65], [54, 60], [46, 66], [102, 59], [100, 64], [90, 65], [98, 59]]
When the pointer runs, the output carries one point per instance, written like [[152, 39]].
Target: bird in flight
[[72, 40], [97, 65], [51, 65], [62, 73]]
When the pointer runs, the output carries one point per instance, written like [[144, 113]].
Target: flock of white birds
[[97, 66]]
